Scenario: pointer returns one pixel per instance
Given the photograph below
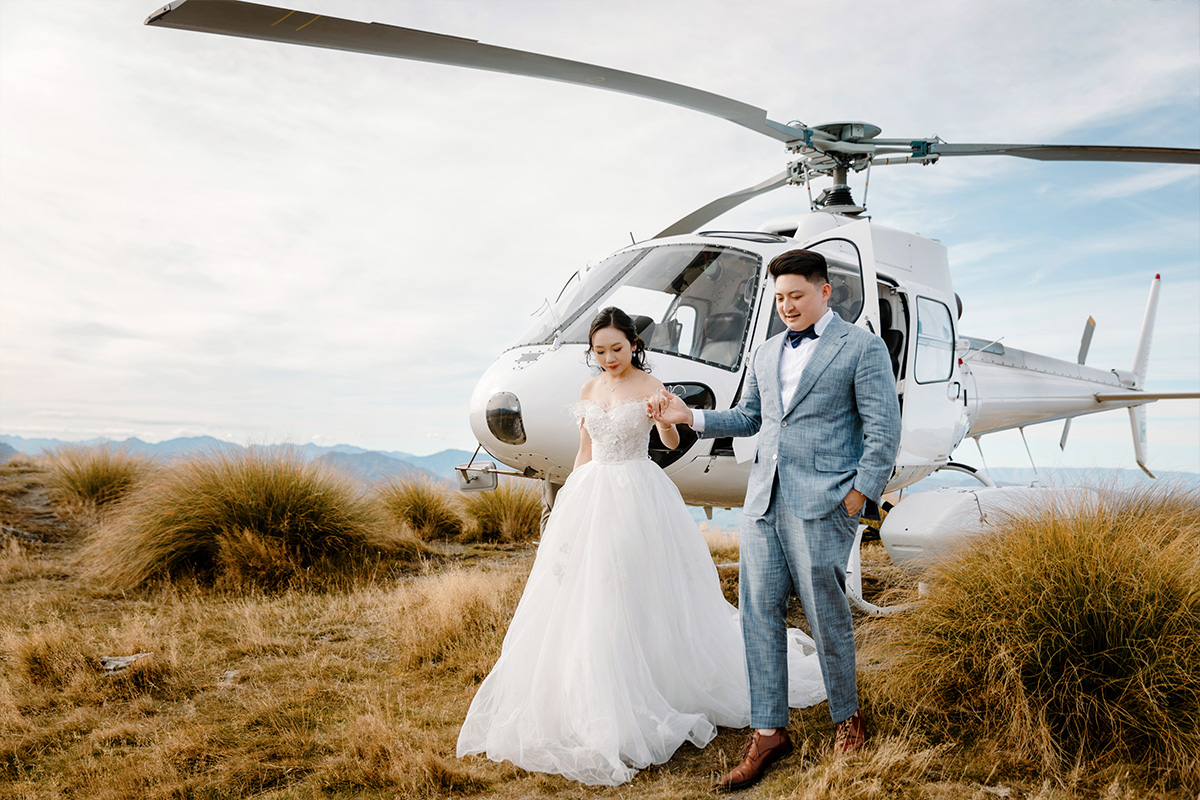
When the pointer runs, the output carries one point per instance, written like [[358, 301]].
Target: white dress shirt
[[792, 362]]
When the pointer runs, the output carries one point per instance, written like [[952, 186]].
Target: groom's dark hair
[[805, 263]]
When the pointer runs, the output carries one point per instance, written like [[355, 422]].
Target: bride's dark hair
[[613, 317]]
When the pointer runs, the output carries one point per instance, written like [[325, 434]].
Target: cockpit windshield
[[689, 300]]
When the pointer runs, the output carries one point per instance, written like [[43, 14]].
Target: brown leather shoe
[[851, 734], [760, 753]]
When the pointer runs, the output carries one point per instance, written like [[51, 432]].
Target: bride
[[622, 646]]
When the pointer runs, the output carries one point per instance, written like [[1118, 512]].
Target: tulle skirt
[[622, 646]]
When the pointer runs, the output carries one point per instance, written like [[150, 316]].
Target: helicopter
[[702, 300]]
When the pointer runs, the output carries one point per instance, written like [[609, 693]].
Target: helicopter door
[[933, 407]]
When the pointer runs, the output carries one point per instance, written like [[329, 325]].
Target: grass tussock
[[425, 506], [52, 655], [510, 513], [1072, 638], [19, 561], [55, 662], [95, 477], [456, 618], [255, 519], [381, 751]]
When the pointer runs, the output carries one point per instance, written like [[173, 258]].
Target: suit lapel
[[828, 346]]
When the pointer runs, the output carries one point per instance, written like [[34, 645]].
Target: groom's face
[[799, 302]]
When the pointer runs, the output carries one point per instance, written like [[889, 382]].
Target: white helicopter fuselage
[[689, 293], [892, 283]]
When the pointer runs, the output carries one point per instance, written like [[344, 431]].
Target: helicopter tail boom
[[1015, 388]]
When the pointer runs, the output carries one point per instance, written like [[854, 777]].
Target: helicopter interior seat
[[840, 297], [723, 337], [644, 326], [893, 338], [664, 336]]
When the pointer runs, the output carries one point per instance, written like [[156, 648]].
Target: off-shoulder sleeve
[[576, 412]]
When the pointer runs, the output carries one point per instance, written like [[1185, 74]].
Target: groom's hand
[[668, 408], [854, 502]]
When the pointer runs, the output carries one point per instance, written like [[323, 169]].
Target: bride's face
[[613, 352]]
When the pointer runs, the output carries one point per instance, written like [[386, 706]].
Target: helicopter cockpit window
[[935, 342], [689, 300], [567, 307]]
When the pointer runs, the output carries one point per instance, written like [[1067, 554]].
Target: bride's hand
[[655, 404], [669, 408]]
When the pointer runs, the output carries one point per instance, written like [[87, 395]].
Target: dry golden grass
[[359, 693], [456, 618], [724, 545], [19, 561], [1073, 639], [21, 475], [266, 519], [27, 506], [430, 509], [95, 476], [510, 513]]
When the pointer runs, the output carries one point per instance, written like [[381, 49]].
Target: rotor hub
[[848, 131]]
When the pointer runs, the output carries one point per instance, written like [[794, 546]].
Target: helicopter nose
[[503, 417]]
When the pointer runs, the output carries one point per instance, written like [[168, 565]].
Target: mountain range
[[383, 464], [375, 466], [372, 465]]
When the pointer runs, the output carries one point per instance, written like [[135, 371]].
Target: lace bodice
[[620, 433]]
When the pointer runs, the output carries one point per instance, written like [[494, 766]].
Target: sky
[[202, 235]]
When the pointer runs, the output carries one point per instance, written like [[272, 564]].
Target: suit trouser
[[781, 552]]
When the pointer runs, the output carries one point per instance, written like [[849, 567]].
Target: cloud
[[281, 240], [1134, 185]]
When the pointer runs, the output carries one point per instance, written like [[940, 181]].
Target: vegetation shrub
[[259, 518], [53, 654], [1072, 637], [510, 513], [456, 618], [96, 476], [380, 753], [429, 509]]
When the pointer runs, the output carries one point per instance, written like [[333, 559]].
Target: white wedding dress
[[622, 646]]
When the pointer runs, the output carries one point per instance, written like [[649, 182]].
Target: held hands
[[668, 409], [655, 405]]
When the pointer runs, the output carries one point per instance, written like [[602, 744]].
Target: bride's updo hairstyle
[[613, 317]]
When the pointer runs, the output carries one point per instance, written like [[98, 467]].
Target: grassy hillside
[[354, 688]]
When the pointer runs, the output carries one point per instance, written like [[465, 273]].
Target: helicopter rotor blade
[[1072, 152], [719, 206], [254, 21]]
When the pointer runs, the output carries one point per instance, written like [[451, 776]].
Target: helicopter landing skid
[[868, 530], [854, 583]]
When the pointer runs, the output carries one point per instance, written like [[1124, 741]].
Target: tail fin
[[1142, 357], [1137, 414], [1137, 420]]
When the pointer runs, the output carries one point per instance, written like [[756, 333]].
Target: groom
[[822, 399]]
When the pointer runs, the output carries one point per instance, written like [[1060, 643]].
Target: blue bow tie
[[794, 338]]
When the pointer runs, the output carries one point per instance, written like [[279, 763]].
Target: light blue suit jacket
[[840, 430]]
